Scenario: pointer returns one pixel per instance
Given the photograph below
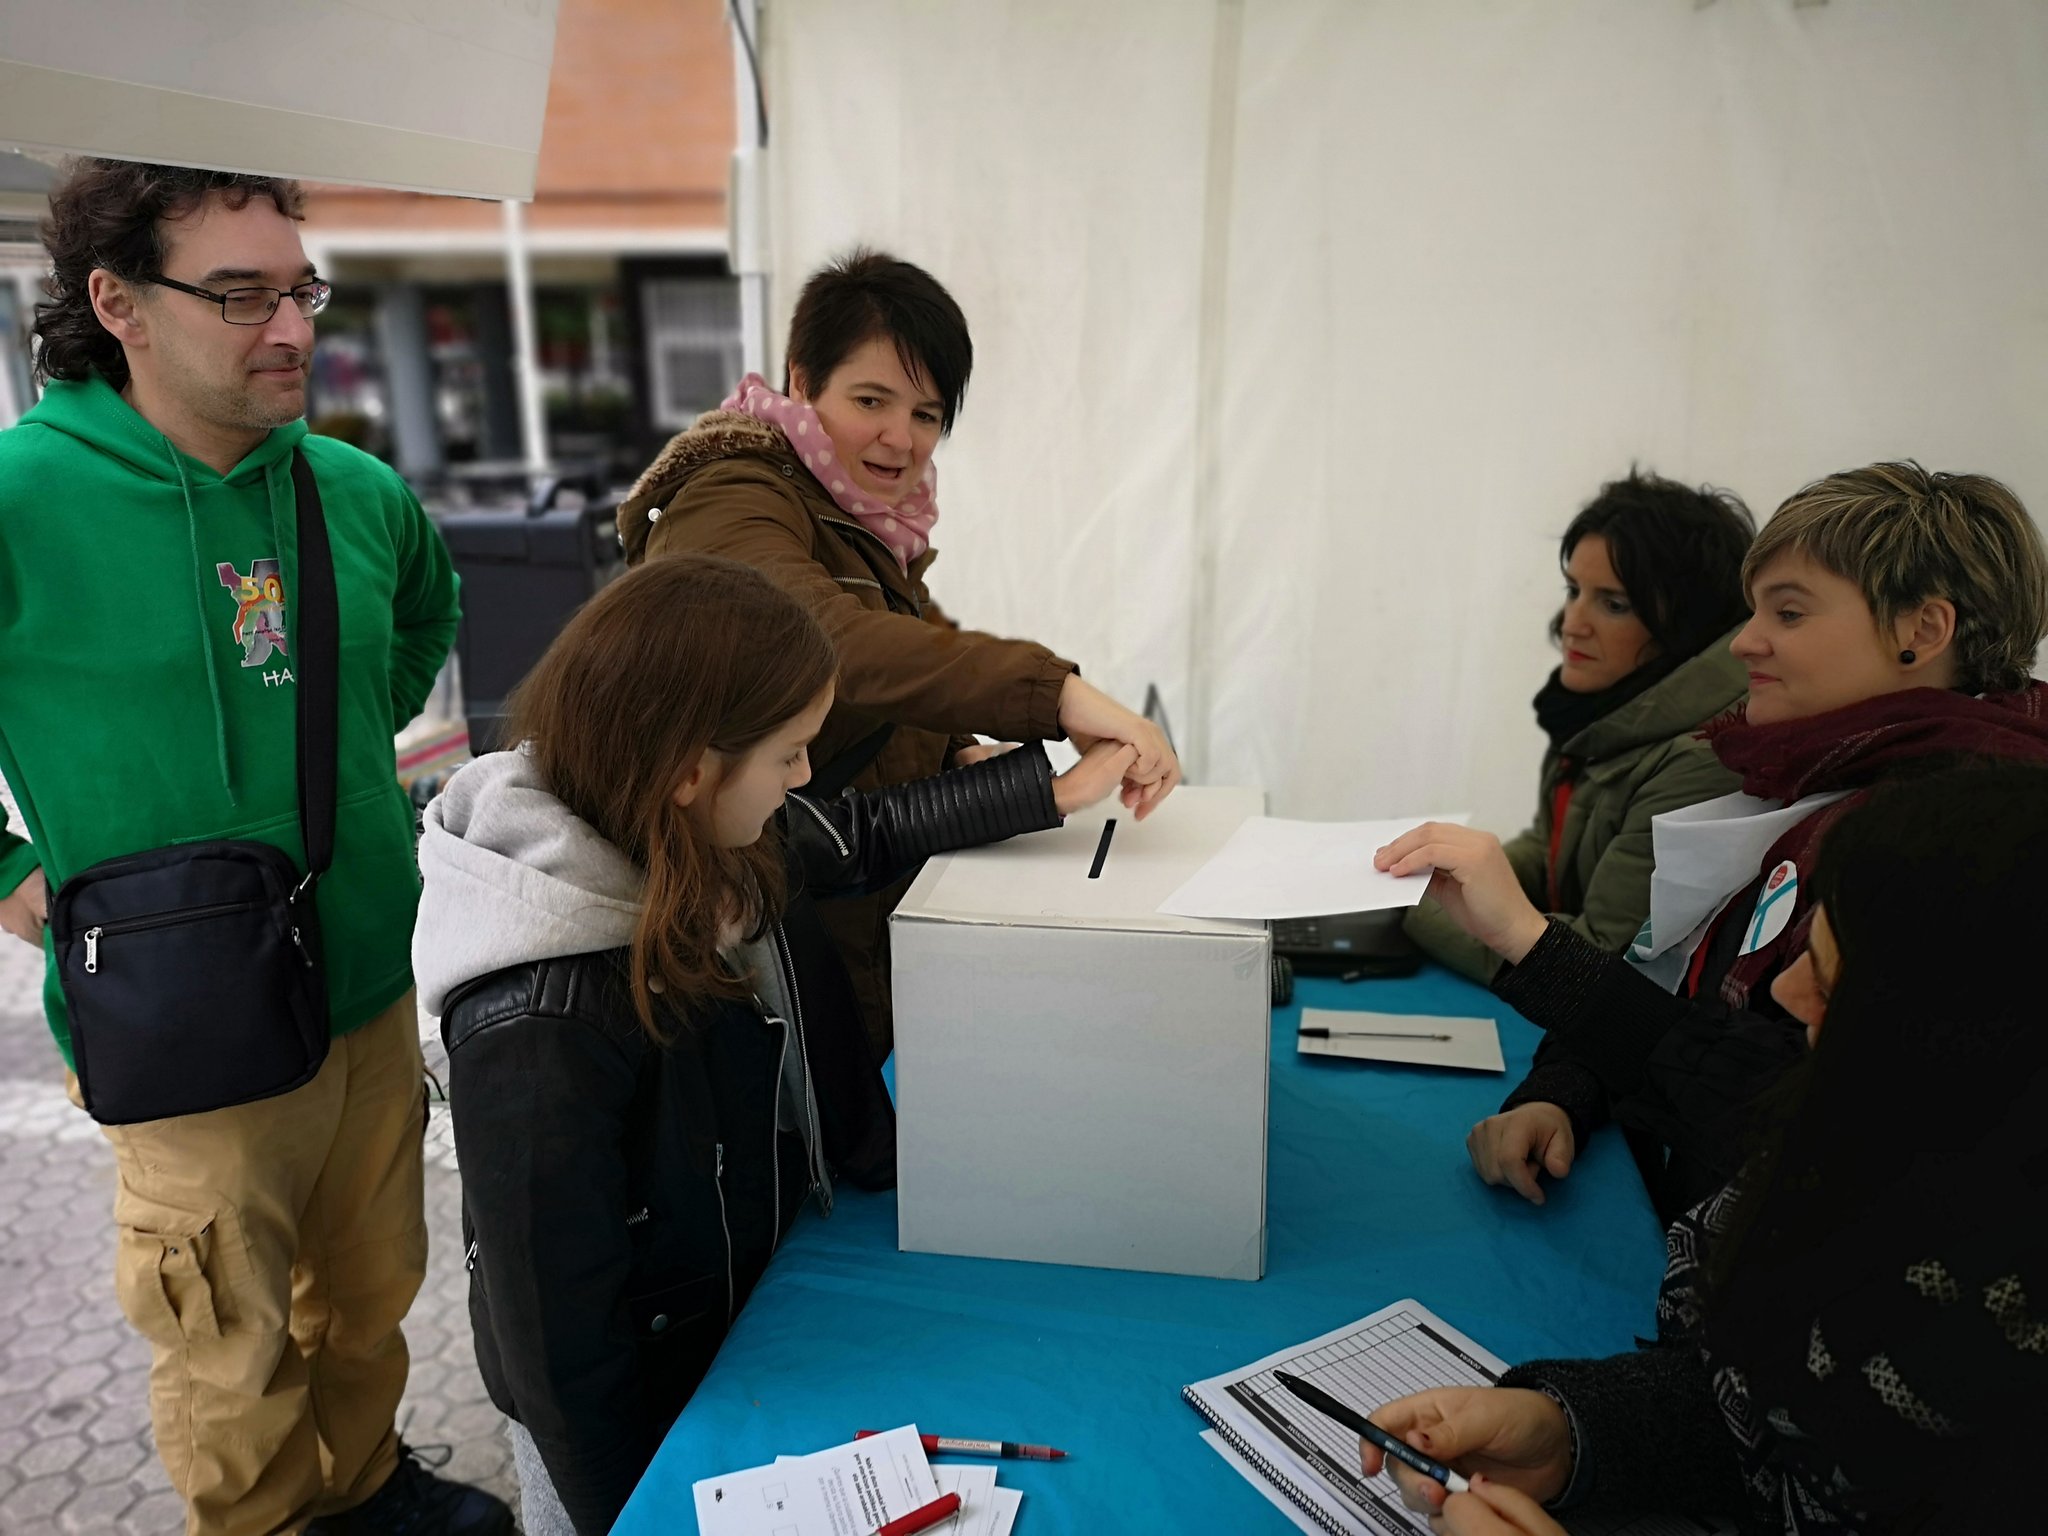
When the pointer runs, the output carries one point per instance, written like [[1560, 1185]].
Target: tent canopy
[[444, 97], [1303, 327]]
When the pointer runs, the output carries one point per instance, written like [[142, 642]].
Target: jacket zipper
[[825, 822], [724, 1227], [94, 934], [816, 1139], [889, 594], [775, 1139]]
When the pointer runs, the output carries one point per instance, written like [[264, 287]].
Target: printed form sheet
[[1401, 1349], [845, 1491]]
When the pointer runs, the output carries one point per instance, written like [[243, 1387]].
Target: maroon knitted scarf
[[1855, 748]]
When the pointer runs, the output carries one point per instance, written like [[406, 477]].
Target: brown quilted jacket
[[730, 485]]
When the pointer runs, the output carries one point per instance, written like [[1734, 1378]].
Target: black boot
[[414, 1502]]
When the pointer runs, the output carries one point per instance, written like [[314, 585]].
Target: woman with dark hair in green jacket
[[1653, 592]]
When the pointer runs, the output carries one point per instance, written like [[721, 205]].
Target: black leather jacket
[[621, 1198]]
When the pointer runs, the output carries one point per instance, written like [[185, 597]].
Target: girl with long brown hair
[[655, 1058]]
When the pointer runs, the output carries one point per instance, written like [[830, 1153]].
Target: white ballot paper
[[1474, 1044], [1705, 854], [983, 1510], [1274, 868], [847, 1490]]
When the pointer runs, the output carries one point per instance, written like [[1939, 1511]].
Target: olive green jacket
[[1638, 762]]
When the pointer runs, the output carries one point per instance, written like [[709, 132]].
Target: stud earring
[[1907, 658]]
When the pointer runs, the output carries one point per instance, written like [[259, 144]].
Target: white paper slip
[[1473, 1044], [1274, 868], [1008, 1502], [976, 1485], [847, 1490]]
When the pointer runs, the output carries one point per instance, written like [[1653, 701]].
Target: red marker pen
[[942, 1444], [942, 1508]]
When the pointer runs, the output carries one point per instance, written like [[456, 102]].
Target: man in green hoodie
[[269, 1251]]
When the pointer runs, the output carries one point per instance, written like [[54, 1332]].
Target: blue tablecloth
[[1370, 1199]]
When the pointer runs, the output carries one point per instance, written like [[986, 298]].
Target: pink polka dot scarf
[[906, 527]]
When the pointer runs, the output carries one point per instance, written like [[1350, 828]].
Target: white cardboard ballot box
[[1081, 1079]]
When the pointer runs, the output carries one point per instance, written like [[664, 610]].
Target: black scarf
[[1562, 713]]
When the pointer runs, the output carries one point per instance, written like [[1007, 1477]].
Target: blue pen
[[1360, 1425]]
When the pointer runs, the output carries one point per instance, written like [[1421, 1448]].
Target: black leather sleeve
[[540, 1102], [1618, 1045], [861, 842]]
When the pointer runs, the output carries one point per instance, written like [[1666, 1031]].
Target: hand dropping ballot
[[848, 1490], [1273, 868]]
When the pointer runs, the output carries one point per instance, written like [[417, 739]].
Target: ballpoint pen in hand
[[1366, 1430]]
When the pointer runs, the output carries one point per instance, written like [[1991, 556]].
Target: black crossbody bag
[[192, 973]]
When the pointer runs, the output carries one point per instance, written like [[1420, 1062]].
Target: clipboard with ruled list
[[1313, 1463]]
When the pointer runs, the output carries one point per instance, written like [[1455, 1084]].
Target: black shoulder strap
[[316, 670]]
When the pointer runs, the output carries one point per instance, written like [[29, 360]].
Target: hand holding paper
[[1274, 868], [1473, 882]]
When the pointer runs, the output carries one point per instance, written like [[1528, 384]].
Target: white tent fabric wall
[[1293, 432]]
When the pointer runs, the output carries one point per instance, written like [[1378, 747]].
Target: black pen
[[1317, 1032], [1360, 1425], [1102, 849]]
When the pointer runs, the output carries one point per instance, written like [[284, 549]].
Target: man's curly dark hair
[[110, 213]]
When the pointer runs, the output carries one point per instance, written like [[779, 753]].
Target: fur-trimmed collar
[[711, 437]]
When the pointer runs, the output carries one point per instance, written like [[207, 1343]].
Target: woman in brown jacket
[[830, 491]]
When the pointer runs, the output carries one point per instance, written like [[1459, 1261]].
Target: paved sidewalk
[[75, 1449]]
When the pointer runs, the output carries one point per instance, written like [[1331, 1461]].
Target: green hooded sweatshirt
[[146, 693]]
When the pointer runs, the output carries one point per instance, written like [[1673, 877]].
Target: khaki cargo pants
[[268, 1252]]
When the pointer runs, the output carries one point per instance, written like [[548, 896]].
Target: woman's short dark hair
[[865, 294], [1904, 534], [1678, 551], [110, 213]]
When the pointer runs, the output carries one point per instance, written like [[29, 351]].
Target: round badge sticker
[[1774, 906]]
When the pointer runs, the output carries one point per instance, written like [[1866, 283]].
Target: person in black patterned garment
[[1853, 1336]]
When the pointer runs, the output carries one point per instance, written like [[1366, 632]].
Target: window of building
[[692, 330]]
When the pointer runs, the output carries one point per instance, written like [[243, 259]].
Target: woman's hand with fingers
[[1473, 882], [1493, 1509], [1102, 768], [1513, 1147], [1088, 715], [1508, 1434]]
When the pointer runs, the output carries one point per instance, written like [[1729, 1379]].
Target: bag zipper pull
[[469, 1258], [92, 951], [300, 945], [719, 1170]]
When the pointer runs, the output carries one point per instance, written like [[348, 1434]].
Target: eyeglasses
[[254, 306]]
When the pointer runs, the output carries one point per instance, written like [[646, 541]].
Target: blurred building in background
[[613, 282], [24, 195]]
